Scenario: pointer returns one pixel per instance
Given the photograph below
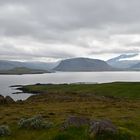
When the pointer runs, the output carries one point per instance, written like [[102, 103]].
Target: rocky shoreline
[[6, 100]]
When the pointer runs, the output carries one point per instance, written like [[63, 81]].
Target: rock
[[2, 99], [102, 126], [76, 122], [8, 99], [4, 130], [16, 86]]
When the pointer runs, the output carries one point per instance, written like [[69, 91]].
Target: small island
[[22, 70]]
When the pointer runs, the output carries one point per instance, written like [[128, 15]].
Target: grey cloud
[[64, 16], [74, 22], [22, 52], [116, 51], [134, 44]]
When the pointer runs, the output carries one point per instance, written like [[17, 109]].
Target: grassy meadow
[[118, 102]]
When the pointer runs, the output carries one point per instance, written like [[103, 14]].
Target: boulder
[[8, 99], [102, 126], [4, 130], [76, 122], [2, 99]]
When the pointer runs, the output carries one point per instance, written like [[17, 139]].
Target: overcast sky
[[58, 29]]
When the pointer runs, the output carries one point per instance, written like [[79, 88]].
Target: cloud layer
[[57, 29]]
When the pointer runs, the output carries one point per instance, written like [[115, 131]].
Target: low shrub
[[105, 136], [36, 122], [4, 130], [63, 136], [122, 134], [125, 134]]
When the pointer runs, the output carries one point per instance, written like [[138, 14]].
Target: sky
[[51, 30]]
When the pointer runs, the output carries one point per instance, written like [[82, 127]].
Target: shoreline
[[23, 90], [111, 90]]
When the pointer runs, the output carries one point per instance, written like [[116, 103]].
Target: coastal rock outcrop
[[2, 99], [6, 100], [75, 121], [102, 126]]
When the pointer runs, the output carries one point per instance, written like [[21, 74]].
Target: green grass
[[64, 100], [118, 89]]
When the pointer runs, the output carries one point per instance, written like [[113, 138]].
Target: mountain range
[[7, 65], [119, 63], [123, 61], [136, 66]]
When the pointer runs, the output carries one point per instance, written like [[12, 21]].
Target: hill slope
[[136, 66], [8, 65], [83, 64], [120, 62], [22, 70]]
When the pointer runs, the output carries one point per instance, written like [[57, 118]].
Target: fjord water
[[61, 77]]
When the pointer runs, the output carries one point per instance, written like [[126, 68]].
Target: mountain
[[83, 64], [136, 66], [122, 62], [7, 65], [22, 70]]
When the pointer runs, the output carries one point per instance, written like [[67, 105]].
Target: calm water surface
[[61, 77]]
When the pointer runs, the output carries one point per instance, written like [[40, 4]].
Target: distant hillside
[[120, 62], [83, 64], [136, 66], [22, 70], [7, 65]]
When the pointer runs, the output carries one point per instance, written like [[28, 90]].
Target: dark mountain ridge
[[83, 64]]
